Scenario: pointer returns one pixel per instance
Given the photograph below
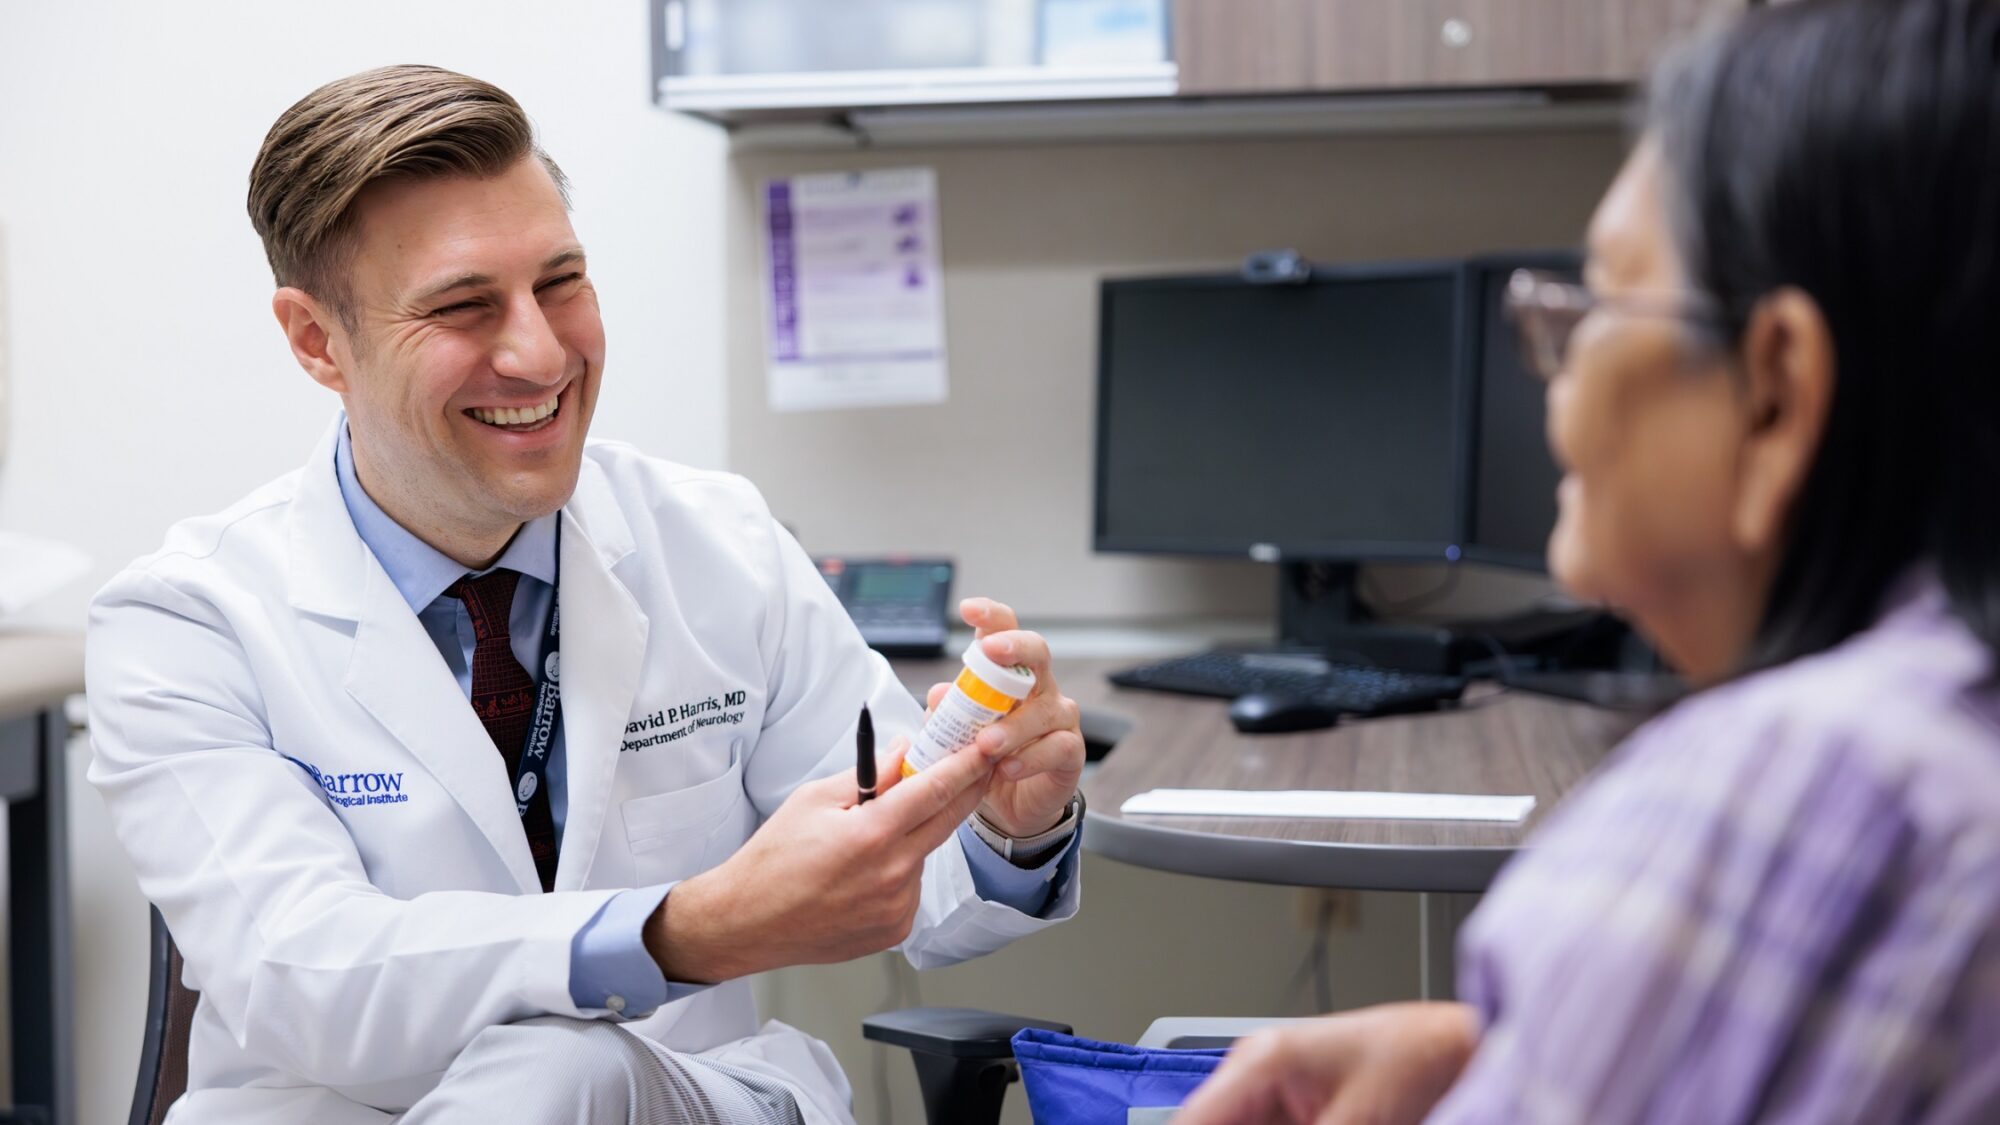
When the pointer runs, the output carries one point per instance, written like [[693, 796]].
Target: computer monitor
[[1309, 421], [1513, 486]]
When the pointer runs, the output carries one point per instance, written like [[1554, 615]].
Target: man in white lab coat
[[433, 848]]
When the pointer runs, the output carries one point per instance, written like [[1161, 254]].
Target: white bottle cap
[[1011, 680]]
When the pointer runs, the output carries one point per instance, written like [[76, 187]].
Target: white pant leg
[[552, 1069]]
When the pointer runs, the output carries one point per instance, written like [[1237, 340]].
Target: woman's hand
[[1379, 1066]]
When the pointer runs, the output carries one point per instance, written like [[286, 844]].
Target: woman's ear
[[1789, 373]]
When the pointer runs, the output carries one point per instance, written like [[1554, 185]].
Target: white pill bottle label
[[983, 693]]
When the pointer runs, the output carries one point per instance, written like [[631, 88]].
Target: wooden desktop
[[1494, 741]]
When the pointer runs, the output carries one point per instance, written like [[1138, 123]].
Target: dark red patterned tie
[[503, 696]]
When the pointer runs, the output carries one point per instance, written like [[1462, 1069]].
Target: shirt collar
[[419, 571]]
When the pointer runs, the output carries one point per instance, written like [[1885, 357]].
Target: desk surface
[[38, 671], [1495, 742]]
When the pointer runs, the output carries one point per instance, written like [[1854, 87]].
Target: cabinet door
[[1244, 46], [1264, 46], [1375, 44]]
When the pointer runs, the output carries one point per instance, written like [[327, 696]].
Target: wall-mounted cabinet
[[813, 72], [1301, 46], [716, 56]]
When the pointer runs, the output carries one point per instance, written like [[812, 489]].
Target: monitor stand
[[1320, 609], [1317, 600]]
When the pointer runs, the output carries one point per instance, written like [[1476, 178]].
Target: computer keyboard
[[1355, 688]]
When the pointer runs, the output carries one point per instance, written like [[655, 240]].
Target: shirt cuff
[[1026, 889], [609, 968]]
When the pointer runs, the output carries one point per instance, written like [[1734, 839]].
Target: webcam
[[1277, 267]]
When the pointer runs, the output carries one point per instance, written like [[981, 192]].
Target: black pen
[[864, 755]]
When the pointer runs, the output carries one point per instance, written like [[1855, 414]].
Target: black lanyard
[[531, 773]]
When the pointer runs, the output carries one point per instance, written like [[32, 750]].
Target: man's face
[[472, 366]]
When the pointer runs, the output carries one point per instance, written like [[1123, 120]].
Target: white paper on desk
[[32, 568], [856, 290], [1328, 804]]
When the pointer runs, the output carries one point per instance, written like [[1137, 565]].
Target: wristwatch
[[1020, 849]]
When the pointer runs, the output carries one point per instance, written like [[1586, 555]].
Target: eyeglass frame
[[1535, 301]]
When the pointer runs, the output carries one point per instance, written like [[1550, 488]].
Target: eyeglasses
[[1547, 309]]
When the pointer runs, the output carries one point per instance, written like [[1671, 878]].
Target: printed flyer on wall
[[856, 293]]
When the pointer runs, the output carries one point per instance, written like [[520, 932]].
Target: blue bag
[[1073, 1081]]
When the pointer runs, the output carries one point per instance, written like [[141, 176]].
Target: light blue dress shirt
[[608, 955]]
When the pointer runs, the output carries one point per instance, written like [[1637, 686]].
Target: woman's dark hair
[[1851, 149]]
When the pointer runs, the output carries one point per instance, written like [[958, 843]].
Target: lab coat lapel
[[393, 668], [603, 651], [397, 674]]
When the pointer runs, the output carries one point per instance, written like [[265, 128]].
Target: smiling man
[[475, 766]]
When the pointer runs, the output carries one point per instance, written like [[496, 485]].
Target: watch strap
[[1021, 849]]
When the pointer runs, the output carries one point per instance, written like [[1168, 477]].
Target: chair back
[[169, 1015]]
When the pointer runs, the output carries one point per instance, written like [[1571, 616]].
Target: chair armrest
[[959, 1033]]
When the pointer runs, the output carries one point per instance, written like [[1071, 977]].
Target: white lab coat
[[351, 934]]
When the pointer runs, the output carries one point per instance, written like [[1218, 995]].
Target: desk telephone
[[901, 605]]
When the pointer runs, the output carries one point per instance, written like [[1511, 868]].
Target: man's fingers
[[1040, 715], [1057, 752], [926, 837], [936, 693], [889, 764], [915, 800], [987, 616], [837, 790], [1019, 646]]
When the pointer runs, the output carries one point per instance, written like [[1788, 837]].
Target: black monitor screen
[[1315, 420], [1514, 479]]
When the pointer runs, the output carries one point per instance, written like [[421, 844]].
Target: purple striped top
[[1779, 901]]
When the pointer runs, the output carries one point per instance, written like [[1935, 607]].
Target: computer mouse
[[1269, 712]]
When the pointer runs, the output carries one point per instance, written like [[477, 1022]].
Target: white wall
[[1028, 233], [149, 380]]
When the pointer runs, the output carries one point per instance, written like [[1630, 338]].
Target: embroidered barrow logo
[[351, 789]]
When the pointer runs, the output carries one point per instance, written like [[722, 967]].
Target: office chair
[[169, 1015], [964, 1057]]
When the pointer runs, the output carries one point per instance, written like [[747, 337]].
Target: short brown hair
[[391, 123]]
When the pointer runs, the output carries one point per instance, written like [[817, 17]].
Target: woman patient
[[1777, 404]]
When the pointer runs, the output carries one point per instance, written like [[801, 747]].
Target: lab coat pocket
[[680, 833]]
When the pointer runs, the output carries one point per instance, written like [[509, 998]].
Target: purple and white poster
[[856, 295]]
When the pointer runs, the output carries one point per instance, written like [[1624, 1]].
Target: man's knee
[[555, 1069], [543, 1033], [583, 1051], [547, 1068]]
